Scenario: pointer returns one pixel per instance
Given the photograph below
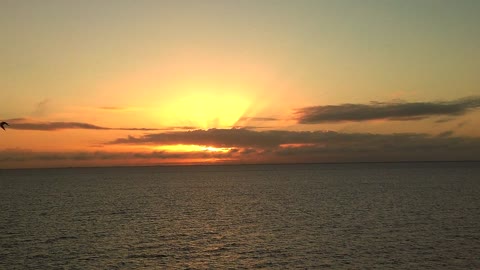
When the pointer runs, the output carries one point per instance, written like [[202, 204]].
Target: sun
[[204, 107]]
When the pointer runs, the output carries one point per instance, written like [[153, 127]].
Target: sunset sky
[[107, 83]]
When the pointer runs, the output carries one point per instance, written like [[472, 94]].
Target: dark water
[[344, 216]]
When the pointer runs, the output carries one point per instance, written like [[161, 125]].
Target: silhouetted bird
[[3, 124]]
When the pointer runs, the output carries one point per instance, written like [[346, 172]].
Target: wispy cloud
[[26, 124], [253, 122], [257, 119], [48, 126], [41, 108], [384, 110]]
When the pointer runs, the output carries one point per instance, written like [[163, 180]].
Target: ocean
[[305, 216]]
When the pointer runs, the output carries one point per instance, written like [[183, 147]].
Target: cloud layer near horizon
[[385, 111], [322, 145], [16, 155], [248, 146]]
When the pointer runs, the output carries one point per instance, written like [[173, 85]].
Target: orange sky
[[158, 83]]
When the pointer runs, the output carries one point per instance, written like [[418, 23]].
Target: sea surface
[[325, 216]]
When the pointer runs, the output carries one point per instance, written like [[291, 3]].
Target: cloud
[[444, 120], [245, 122], [247, 146], [447, 133], [41, 108], [257, 119], [23, 155], [235, 137], [388, 111], [26, 124], [48, 126], [252, 127], [323, 146]]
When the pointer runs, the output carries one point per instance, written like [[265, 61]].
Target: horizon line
[[243, 164]]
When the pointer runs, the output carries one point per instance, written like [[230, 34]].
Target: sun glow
[[191, 148], [205, 107]]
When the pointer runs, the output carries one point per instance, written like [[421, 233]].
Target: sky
[[120, 83]]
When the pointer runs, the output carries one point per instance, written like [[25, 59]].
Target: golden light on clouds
[[190, 148]]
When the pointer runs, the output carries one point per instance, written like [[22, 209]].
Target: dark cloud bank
[[248, 146], [388, 111], [323, 146]]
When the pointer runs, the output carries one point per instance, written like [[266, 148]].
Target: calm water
[[343, 216]]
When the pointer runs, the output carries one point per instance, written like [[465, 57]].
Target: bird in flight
[[3, 124]]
